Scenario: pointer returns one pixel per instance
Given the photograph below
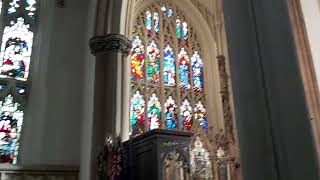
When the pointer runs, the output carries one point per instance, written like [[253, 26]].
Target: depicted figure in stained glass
[[201, 116], [197, 73], [148, 20], [154, 112], [137, 113], [185, 30], [153, 68], [186, 115], [156, 21], [16, 50], [178, 28], [169, 68], [168, 11], [184, 72], [171, 114], [10, 125], [137, 59], [162, 66]]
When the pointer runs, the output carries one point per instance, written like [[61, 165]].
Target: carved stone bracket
[[225, 97], [110, 43]]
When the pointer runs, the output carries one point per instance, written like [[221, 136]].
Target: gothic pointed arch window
[[17, 29], [167, 83]]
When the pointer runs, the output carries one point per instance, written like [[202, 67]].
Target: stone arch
[[209, 51]]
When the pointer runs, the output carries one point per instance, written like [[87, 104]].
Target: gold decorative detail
[[169, 144]]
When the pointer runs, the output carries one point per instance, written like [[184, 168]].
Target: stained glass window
[[154, 112], [200, 115], [137, 59], [171, 114], [184, 64], [197, 72], [169, 67], [19, 19], [11, 117], [156, 21], [178, 28], [148, 20], [185, 30], [186, 115], [137, 113], [166, 73], [153, 69]]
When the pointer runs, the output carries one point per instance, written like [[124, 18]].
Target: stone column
[[110, 51]]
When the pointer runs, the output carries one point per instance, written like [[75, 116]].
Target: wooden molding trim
[[307, 70]]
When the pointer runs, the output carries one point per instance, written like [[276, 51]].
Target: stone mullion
[[177, 88], [146, 85], [161, 48]]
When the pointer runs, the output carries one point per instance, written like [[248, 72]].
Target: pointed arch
[[208, 50]]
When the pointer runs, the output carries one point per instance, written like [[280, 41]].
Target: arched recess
[[207, 41]]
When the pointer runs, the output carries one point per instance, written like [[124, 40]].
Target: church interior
[[159, 90]]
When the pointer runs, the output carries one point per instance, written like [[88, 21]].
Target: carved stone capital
[[110, 43]]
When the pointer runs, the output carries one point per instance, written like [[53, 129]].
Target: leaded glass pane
[[154, 112], [11, 119], [169, 68], [137, 59], [137, 113], [166, 81], [184, 64], [171, 114], [153, 60], [186, 115], [200, 115], [197, 73], [16, 50]]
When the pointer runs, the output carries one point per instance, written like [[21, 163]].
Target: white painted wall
[[53, 120], [311, 13]]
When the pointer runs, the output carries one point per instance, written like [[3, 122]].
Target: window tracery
[[18, 20], [166, 73]]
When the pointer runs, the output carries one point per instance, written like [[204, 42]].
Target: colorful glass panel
[[184, 72], [137, 116], [24, 5], [16, 50], [137, 59], [168, 11], [186, 115], [148, 20], [153, 61], [0, 6], [10, 128], [169, 67], [200, 114], [170, 113], [197, 73], [185, 30], [156, 21], [154, 112], [178, 28]]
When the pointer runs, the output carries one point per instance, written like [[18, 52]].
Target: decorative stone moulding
[[110, 43]]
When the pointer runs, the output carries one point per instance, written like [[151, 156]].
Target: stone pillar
[[110, 51]]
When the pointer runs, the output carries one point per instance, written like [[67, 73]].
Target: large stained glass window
[[167, 84], [19, 18]]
